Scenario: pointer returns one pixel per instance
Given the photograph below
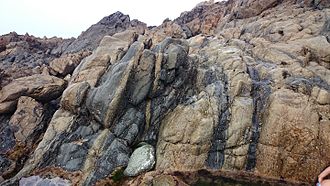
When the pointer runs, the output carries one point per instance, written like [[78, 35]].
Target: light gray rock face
[[141, 81], [142, 160], [104, 100], [38, 181], [114, 153], [129, 125]]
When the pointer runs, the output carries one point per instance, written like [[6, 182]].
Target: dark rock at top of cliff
[[109, 25], [18, 45]]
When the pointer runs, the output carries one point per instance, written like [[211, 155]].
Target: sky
[[68, 18]]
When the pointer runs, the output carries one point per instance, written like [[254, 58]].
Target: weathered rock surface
[[111, 49], [65, 64], [104, 100], [185, 146], [36, 180], [21, 133], [27, 119], [25, 55], [102, 132], [109, 25], [204, 177], [74, 96], [141, 160], [40, 87], [240, 86]]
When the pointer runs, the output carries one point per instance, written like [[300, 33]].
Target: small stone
[[323, 97], [142, 159]]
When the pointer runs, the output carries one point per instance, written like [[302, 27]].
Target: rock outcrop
[[230, 89], [41, 87], [25, 55], [66, 64], [109, 25]]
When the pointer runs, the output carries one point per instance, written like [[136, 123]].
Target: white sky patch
[[68, 18]]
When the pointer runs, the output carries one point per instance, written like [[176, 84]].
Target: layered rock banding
[[239, 86]]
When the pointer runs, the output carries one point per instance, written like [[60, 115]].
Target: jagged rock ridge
[[239, 86]]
